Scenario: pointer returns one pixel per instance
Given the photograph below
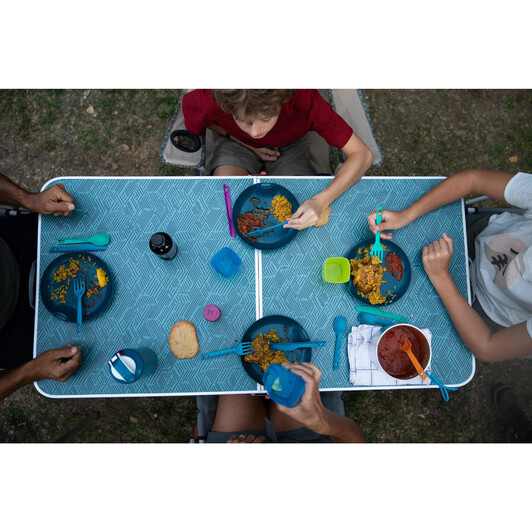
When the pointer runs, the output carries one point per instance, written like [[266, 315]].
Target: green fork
[[377, 250]]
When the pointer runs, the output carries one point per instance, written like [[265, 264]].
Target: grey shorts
[[331, 400], [289, 436], [294, 159]]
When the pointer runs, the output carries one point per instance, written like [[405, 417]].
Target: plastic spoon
[[99, 239], [406, 348], [340, 325]]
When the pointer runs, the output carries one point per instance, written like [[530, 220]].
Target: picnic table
[[150, 294]]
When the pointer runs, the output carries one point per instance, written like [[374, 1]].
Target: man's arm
[[509, 343], [358, 160], [455, 187], [56, 364], [311, 413], [54, 200]]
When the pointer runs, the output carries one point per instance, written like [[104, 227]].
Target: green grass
[[435, 132]]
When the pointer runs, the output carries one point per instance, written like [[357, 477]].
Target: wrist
[[408, 216], [27, 373], [440, 280], [322, 422], [29, 201], [322, 200]]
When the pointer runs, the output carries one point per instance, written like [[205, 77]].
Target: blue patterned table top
[[150, 294]]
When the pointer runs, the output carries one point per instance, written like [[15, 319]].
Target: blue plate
[[396, 288], [289, 330], [90, 306], [264, 192]]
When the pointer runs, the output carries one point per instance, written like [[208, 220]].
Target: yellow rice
[[282, 208]]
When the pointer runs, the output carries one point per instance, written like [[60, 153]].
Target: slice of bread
[[324, 218], [183, 340]]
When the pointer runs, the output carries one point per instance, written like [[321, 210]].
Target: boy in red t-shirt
[[267, 128]]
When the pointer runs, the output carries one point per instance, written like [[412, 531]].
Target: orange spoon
[[407, 348]]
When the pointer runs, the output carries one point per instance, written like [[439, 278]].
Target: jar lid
[[211, 313]]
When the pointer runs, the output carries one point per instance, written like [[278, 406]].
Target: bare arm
[[56, 364], [359, 159], [12, 194], [512, 342], [54, 200], [453, 188], [311, 413]]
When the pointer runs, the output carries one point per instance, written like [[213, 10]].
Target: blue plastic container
[[226, 262], [129, 365], [283, 386]]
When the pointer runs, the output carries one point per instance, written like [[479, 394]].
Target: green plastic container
[[336, 270]]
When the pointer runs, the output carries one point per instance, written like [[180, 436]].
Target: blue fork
[[243, 348], [377, 250], [79, 290]]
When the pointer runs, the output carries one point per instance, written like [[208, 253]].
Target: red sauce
[[394, 265], [248, 222], [394, 361]]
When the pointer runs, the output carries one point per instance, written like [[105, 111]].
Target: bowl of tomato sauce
[[395, 362]]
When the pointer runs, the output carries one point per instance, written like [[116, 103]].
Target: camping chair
[[470, 209], [349, 104], [207, 405]]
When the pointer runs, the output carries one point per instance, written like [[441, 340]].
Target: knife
[[76, 247], [259, 232], [286, 347]]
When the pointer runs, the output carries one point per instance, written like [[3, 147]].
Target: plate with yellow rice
[[57, 286], [263, 205], [268, 330], [376, 282]]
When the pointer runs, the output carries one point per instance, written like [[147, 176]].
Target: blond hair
[[248, 103]]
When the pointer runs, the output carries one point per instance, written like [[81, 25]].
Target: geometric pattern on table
[[150, 294], [292, 284]]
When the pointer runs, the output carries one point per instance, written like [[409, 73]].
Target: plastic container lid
[[212, 313]]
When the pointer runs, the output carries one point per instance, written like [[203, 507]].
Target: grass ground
[[48, 133]]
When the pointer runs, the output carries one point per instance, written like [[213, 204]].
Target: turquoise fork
[[377, 250], [243, 348], [79, 290]]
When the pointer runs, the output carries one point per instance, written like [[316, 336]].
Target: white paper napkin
[[361, 349]]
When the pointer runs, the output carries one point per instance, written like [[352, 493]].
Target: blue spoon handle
[[337, 349], [442, 386], [259, 232]]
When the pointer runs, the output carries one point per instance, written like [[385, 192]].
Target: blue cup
[[283, 386], [129, 365], [226, 262]]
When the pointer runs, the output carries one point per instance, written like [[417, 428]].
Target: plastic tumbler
[[129, 365], [226, 262], [283, 386]]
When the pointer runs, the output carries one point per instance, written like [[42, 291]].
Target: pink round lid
[[211, 312]]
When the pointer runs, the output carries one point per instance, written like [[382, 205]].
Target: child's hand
[[267, 154], [390, 220], [437, 257], [307, 215]]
